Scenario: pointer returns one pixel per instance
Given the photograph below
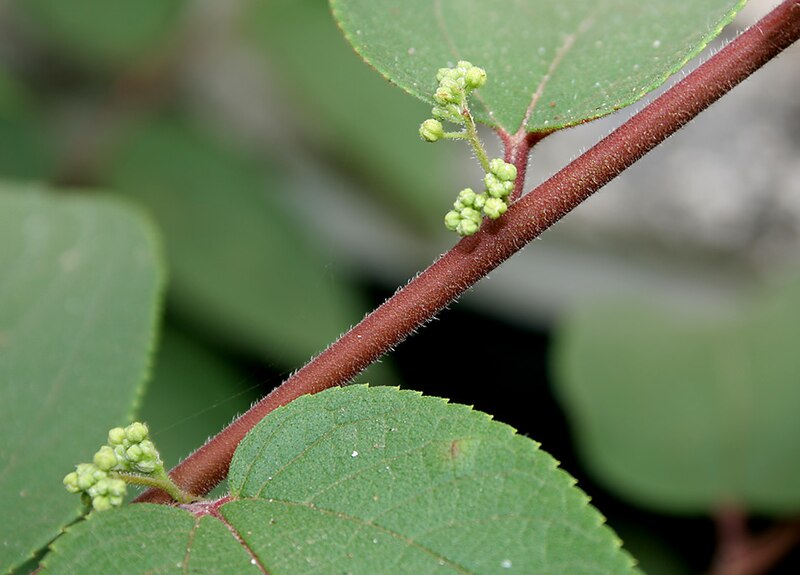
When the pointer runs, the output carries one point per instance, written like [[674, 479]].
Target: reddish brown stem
[[740, 553], [517, 152], [733, 540], [474, 257]]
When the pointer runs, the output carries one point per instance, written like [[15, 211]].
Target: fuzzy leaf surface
[[685, 414], [80, 288], [376, 480], [549, 64], [147, 538], [358, 478]]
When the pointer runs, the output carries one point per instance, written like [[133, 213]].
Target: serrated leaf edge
[[657, 82]]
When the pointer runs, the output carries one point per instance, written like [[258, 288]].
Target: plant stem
[[161, 481], [740, 553], [475, 256], [475, 141], [517, 153]]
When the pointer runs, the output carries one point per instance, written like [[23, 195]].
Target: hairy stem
[[475, 141], [517, 153], [475, 256], [161, 481], [455, 136]]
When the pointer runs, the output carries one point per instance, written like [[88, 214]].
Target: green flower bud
[[494, 187], [114, 489], [504, 171], [71, 482], [99, 488], [105, 458], [136, 432], [148, 449], [450, 92], [467, 228], [451, 85], [431, 130], [146, 466], [497, 188], [143, 457], [480, 201], [467, 220], [466, 199], [471, 214], [117, 487], [106, 493], [475, 78], [451, 220], [464, 66], [122, 458], [450, 113], [443, 96], [116, 436], [133, 453], [101, 503], [494, 208], [88, 475], [149, 464]]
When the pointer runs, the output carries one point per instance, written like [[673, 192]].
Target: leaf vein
[[561, 52]]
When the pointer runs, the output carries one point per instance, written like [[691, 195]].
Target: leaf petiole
[[158, 480]]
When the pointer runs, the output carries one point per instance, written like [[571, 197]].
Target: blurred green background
[[294, 195]]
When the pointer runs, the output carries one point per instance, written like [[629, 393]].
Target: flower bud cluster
[[128, 450], [455, 85], [102, 491], [469, 208], [132, 449]]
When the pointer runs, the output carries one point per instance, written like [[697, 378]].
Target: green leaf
[[241, 269], [102, 32], [683, 413], [354, 478], [549, 64], [79, 293], [148, 538], [350, 112], [376, 480]]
